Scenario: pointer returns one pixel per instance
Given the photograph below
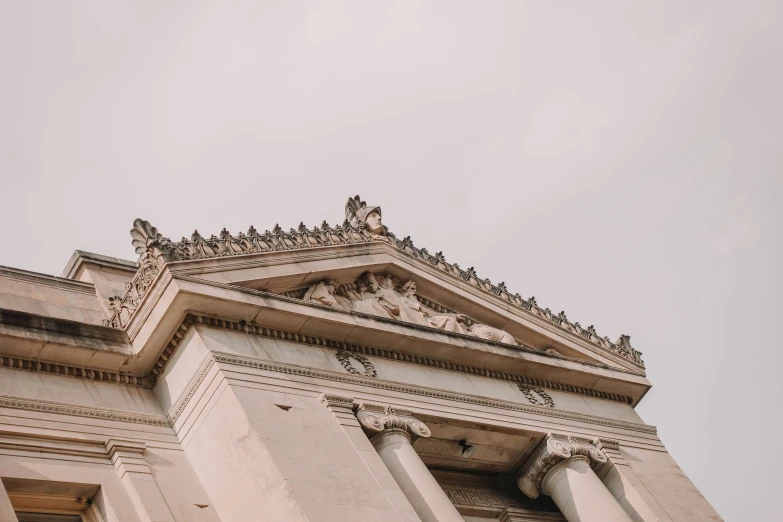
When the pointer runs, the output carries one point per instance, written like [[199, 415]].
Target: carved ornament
[[553, 450], [345, 360], [383, 295], [375, 419], [537, 396], [363, 224]]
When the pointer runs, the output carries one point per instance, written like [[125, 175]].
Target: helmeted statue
[[358, 213]]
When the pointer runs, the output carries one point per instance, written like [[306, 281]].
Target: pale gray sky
[[619, 160]]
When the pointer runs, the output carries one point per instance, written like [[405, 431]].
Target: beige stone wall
[[261, 461], [49, 296], [666, 488], [219, 340]]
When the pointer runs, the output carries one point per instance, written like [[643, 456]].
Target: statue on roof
[[357, 213]]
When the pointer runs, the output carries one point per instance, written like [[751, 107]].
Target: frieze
[[263, 365], [383, 295], [363, 224], [480, 498], [273, 333]]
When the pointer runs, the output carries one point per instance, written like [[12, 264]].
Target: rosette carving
[[376, 418], [553, 450]]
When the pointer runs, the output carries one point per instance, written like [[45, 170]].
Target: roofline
[[80, 257]]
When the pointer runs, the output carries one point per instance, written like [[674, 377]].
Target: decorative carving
[[479, 498], [345, 359], [80, 411], [358, 214], [383, 296], [73, 371], [553, 450], [149, 244], [530, 394], [331, 400], [375, 419], [363, 224]]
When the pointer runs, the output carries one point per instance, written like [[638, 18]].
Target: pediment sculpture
[[363, 223], [383, 295]]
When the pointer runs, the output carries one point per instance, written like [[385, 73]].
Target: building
[[326, 374]]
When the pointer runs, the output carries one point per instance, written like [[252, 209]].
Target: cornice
[[18, 363], [301, 371], [273, 333], [80, 411], [61, 326], [155, 251], [61, 283], [80, 258]]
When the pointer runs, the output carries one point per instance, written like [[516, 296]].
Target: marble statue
[[382, 296], [357, 212]]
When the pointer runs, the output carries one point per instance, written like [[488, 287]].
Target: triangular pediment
[[329, 263], [407, 290]]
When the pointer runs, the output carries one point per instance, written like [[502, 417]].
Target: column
[[561, 468], [135, 474], [391, 431]]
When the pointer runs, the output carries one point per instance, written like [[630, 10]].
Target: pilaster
[[136, 475]]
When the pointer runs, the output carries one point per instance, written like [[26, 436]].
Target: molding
[[291, 369], [79, 258], [60, 283], [179, 406], [56, 445], [273, 333], [80, 411], [331, 400], [553, 450], [155, 251], [61, 326], [376, 419], [17, 363]]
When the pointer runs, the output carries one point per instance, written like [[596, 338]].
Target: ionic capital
[[553, 450], [376, 418]]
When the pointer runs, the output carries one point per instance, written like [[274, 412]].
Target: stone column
[[390, 431], [561, 468]]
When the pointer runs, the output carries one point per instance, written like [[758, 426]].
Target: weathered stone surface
[[302, 376]]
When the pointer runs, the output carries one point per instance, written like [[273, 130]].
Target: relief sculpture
[[383, 296]]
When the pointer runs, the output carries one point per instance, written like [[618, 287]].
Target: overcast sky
[[618, 160]]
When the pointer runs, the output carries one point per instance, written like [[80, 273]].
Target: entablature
[[259, 310]]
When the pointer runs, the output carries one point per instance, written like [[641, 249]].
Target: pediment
[[294, 263], [387, 287]]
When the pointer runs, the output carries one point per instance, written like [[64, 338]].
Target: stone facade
[[325, 374]]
